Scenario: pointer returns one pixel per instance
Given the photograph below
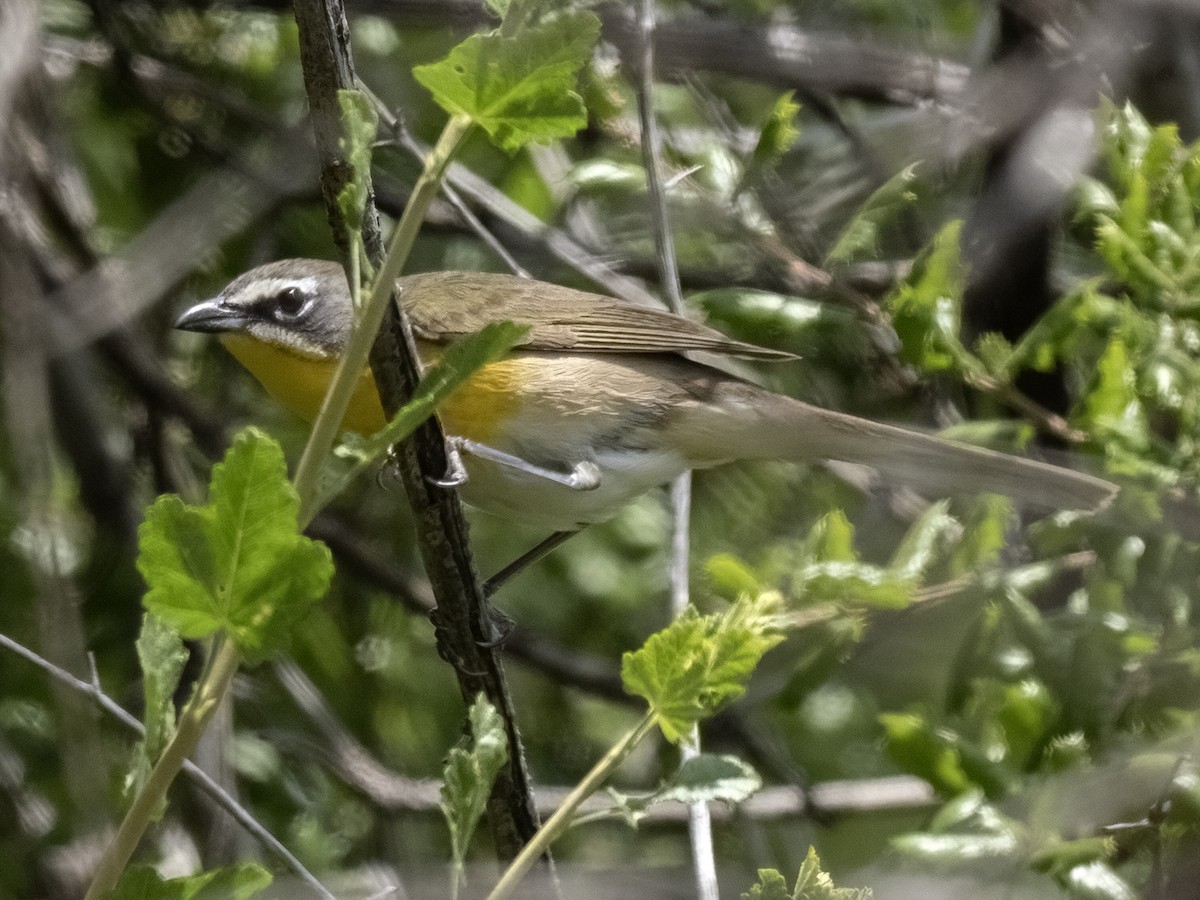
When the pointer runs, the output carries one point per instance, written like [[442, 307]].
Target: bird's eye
[[290, 302]]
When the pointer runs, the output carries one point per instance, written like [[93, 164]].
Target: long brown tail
[[771, 426]]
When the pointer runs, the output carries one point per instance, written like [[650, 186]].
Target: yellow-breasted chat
[[598, 404]]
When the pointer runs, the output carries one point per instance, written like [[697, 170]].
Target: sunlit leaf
[[699, 664], [520, 87], [237, 564]]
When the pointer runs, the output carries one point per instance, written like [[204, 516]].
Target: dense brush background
[[1014, 717]]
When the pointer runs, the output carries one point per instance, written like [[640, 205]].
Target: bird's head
[[297, 305]]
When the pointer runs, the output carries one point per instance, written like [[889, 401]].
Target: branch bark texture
[[464, 629]]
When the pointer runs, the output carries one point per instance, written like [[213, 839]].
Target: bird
[[597, 404]]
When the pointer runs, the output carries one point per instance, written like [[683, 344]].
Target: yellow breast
[[476, 410]]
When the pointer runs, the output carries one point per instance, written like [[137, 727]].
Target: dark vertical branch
[[462, 621]]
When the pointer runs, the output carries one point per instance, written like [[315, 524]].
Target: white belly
[[521, 496]]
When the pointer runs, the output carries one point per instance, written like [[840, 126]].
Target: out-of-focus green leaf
[[1184, 800], [985, 534], [917, 747], [926, 308], [1112, 406], [1015, 718], [730, 577], [1060, 857], [860, 237], [922, 541], [957, 849], [1098, 881], [778, 134], [240, 882], [830, 571]]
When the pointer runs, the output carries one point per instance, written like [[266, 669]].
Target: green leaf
[[700, 779], [771, 886], [926, 307], [1060, 857], [730, 577], [778, 134], [921, 542], [238, 882], [860, 237], [708, 777], [460, 361], [161, 655], [995, 353], [520, 87], [830, 571], [856, 584], [237, 564], [811, 884], [1098, 881], [1112, 406], [985, 534], [918, 748], [1026, 715], [359, 126], [1092, 198], [699, 664], [831, 539], [1128, 260], [951, 849], [468, 775]]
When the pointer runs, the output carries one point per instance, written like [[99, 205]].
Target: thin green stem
[[557, 823], [213, 684], [354, 360]]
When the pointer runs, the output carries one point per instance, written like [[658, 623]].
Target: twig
[[396, 125], [210, 690], [557, 823], [699, 822], [354, 764], [556, 242], [202, 779], [1044, 420], [827, 63]]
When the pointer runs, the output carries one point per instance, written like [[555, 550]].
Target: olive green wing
[[445, 305]]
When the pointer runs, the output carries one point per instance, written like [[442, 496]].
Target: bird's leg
[[456, 471], [584, 476], [526, 559]]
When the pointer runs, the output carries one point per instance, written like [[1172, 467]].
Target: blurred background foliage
[[966, 215]]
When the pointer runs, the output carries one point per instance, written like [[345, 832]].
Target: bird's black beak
[[211, 316]]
